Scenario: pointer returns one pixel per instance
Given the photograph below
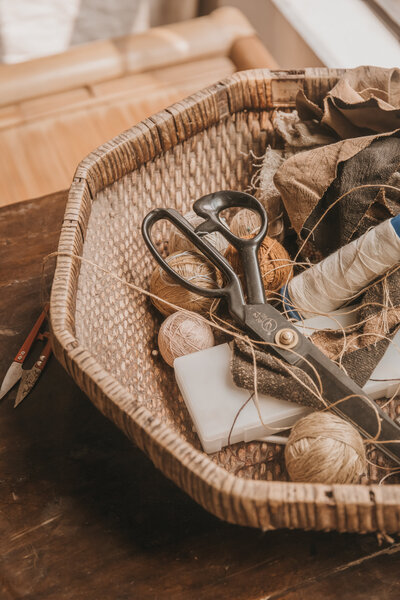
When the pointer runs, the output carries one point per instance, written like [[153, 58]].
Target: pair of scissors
[[263, 320], [16, 371]]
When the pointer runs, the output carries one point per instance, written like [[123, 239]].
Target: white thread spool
[[183, 333], [340, 277], [179, 243]]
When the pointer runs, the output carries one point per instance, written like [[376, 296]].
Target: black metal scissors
[[265, 321]]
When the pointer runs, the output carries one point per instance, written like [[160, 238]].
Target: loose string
[[235, 332], [313, 388]]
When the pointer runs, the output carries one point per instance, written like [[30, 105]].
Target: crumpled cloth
[[309, 182], [297, 136], [305, 180], [273, 375]]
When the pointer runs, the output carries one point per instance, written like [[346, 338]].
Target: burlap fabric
[[310, 182]]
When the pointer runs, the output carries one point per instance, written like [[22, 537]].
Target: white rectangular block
[[213, 401]]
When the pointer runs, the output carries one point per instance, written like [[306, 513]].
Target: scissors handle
[[232, 291], [209, 208]]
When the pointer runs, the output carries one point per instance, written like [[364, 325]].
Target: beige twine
[[182, 334], [245, 223], [192, 267], [323, 448]]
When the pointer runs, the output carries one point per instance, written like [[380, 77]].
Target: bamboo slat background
[[55, 110]]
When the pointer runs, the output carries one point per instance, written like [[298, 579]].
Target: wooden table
[[85, 515]]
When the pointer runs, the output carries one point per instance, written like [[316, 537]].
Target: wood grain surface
[[85, 515]]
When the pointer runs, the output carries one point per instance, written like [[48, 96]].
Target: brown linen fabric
[[295, 136], [310, 183], [365, 100], [305, 178]]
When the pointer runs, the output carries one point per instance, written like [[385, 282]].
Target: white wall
[[312, 33]]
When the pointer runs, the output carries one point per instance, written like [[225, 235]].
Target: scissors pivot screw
[[286, 338]]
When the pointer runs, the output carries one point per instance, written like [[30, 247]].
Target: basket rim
[[280, 504]]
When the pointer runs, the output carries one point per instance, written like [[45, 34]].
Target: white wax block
[[213, 401]]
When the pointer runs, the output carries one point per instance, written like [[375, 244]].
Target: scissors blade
[[30, 376], [28, 380], [364, 414], [13, 374]]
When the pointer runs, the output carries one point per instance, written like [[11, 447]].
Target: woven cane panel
[[118, 325]]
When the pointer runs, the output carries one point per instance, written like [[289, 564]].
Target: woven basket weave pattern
[[104, 332], [113, 320]]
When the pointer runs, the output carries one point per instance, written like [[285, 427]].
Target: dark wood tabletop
[[85, 515]]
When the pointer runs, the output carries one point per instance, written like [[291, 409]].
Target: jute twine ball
[[245, 223], [275, 264], [183, 333], [178, 242], [190, 266], [323, 448]]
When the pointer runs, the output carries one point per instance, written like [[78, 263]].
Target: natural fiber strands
[[266, 191], [245, 223], [322, 448], [275, 264], [192, 267], [340, 277], [178, 242], [181, 334]]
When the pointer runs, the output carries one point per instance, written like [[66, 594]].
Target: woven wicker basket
[[104, 333]]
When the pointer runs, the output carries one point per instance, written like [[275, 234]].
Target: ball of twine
[[323, 448], [179, 243], [182, 334], [245, 223], [190, 266], [275, 264]]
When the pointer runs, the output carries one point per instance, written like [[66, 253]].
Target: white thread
[[340, 277]]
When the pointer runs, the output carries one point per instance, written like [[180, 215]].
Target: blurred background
[[299, 33], [75, 73]]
